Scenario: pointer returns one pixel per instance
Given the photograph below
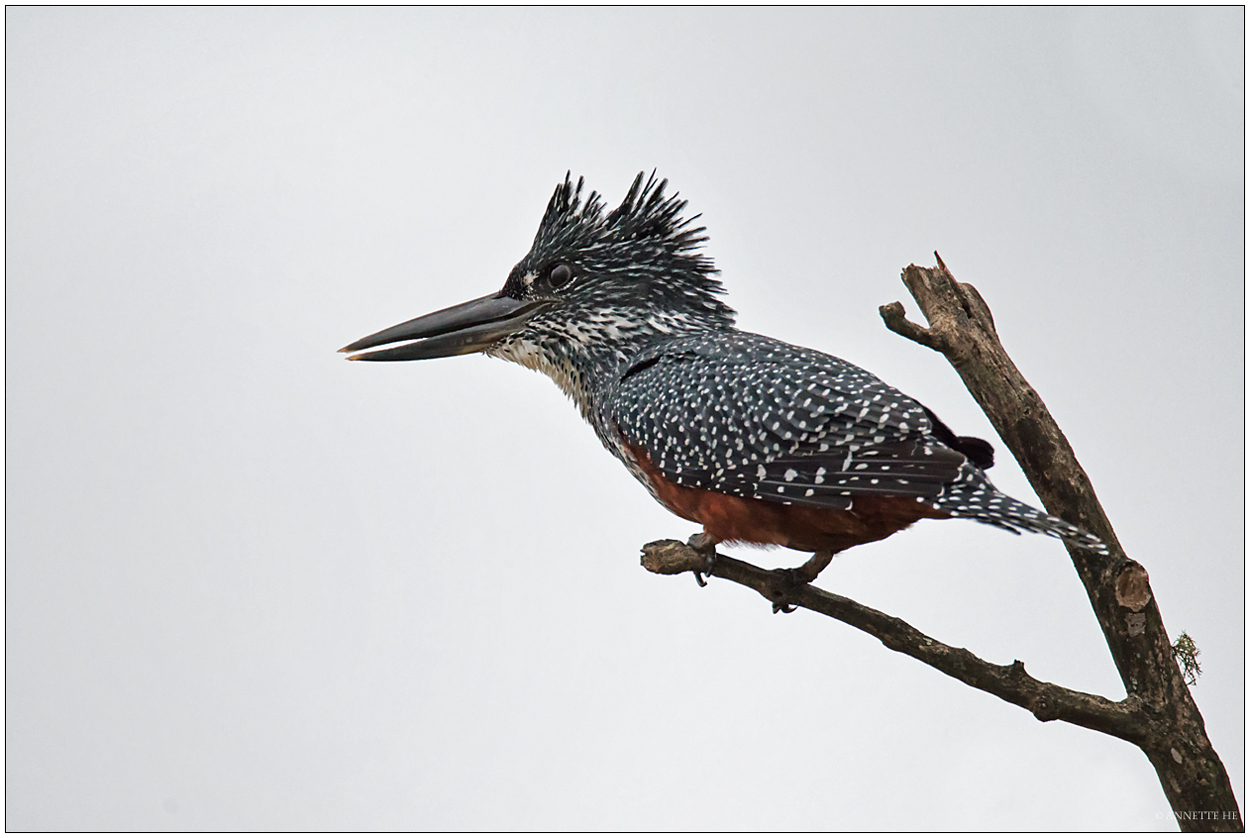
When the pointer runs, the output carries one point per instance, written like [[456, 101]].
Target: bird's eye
[[560, 274]]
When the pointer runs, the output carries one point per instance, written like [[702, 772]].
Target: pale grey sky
[[252, 586]]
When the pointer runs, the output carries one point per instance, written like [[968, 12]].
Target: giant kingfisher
[[757, 440]]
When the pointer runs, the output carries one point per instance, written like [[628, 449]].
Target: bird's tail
[[973, 496]]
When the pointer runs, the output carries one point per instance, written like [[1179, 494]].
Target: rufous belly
[[726, 518]]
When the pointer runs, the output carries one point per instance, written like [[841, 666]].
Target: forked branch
[[962, 329]]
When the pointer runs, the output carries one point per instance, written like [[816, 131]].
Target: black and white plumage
[[622, 310], [754, 417]]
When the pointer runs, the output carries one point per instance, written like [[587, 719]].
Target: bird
[[759, 441]]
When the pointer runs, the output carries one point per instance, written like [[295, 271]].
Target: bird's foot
[[790, 579], [703, 544]]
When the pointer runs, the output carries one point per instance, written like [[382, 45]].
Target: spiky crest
[[645, 215]]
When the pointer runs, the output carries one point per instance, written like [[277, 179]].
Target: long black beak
[[459, 330]]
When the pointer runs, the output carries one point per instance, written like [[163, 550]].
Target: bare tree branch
[[1048, 702]]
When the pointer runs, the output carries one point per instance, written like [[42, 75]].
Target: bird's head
[[595, 287]]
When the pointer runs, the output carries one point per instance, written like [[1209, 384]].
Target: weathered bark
[[1158, 713], [962, 329]]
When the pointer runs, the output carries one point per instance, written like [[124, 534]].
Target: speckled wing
[[754, 417]]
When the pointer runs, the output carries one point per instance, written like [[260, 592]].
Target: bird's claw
[[790, 579], [785, 582], [705, 547]]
